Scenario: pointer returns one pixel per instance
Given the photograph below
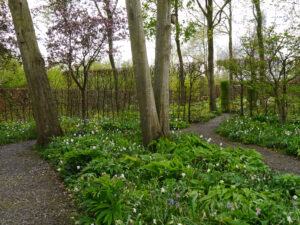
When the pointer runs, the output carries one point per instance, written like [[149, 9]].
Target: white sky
[[242, 13]]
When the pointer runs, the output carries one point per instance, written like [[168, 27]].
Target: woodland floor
[[32, 193], [274, 159], [30, 190]]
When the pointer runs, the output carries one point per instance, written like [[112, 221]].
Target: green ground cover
[[263, 131], [115, 180], [12, 132]]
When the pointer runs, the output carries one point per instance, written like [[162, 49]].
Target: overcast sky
[[242, 13]]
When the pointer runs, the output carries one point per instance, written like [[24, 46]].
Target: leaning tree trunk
[[162, 64], [150, 125], [44, 110], [210, 39]]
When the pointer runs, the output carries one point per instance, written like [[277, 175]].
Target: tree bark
[[259, 30], [179, 53], [162, 64], [210, 39], [242, 99], [150, 125], [44, 109], [230, 55], [111, 55]]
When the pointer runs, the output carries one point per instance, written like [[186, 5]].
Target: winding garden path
[[275, 160], [30, 191]]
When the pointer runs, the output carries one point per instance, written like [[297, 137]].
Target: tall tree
[[43, 105], [179, 52], [115, 30], [153, 110], [162, 63], [259, 31], [213, 19], [76, 39]]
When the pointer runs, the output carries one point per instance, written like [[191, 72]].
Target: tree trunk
[[261, 48], [44, 110], [181, 66], [260, 38], [83, 106], [162, 64], [230, 55], [210, 39], [242, 99], [150, 125], [111, 55]]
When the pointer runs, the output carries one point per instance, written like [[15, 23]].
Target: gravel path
[[30, 191], [275, 160]]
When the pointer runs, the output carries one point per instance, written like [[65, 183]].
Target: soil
[[30, 190], [274, 159]]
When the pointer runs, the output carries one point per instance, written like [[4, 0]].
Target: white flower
[[179, 224], [295, 197], [289, 219], [58, 169], [76, 189], [134, 210], [217, 164], [221, 144], [208, 170], [94, 147], [183, 175], [237, 166], [72, 140], [78, 167], [221, 181], [154, 221], [209, 140], [163, 190], [122, 176], [201, 136]]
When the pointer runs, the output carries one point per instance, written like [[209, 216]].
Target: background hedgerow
[[115, 180], [263, 131]]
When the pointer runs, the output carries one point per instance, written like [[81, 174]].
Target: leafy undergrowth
[[12, 132], [115, 180], [263, 131]]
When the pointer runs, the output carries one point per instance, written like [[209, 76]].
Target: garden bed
[[263, 131], [115, 180]]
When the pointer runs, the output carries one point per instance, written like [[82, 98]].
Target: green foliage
[[225, 96], [263, 131], [12, 75], [11, 132], [186, 181]]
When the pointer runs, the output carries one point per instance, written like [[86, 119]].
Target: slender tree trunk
[[210, 39], [179, 53], [261, 48], [259, 30], [162, 64], [230, 54], [150, 125], [83, 108], [44, 111], [242, 99], [111, 56]]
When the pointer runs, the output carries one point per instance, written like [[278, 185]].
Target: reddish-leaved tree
[[76, 39]]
